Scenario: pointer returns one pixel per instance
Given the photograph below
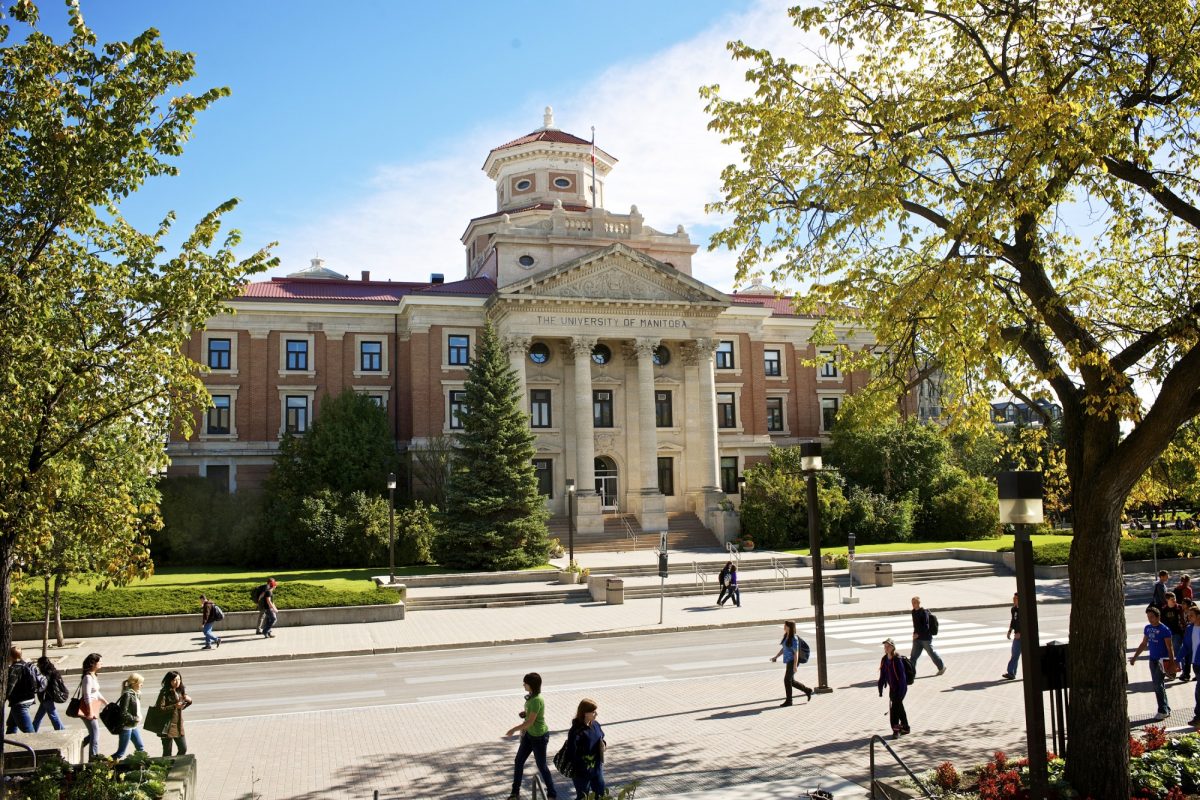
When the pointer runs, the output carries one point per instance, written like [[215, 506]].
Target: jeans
[[1160, 686], [47, 709], [180, 745], [128, 734], [537, 746], [925, 644], [1016, 655], [208, 634], [269, 622], [731, 593], [590, 780], [1196, 697], [92, 740], [258, 625], [18, 717], [790, 682], [723, 595]]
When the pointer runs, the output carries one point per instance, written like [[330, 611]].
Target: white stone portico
[[652, 321]]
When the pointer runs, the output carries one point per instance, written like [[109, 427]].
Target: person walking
[[923, 636], [1014, 633], [268, 614], [894, 675], [131, 716], [732, 582], [789, 648], [1173, 617], [1191, 655], [209, 615], [24, 683], [1158, 637], [1183, 591], [90, 703], [723, 579], [1158, 598], [172, 699], [587, 747], [55, 691], [535, 737]]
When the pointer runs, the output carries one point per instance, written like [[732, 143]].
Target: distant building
[[1011, 412], [648, 388]]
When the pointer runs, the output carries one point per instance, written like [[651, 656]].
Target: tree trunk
[[6, 640], [1098, 743], [58, 582], [45, 614]]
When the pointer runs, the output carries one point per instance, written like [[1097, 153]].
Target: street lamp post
[[391, 484], [810, 463], [570, 522], [1020, 496]]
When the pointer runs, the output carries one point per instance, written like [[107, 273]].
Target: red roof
[[779, 306], [543, 135], [316, 290]]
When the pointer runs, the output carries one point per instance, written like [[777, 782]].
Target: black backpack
[[58, 691], [257, 592], [910, 670], [933, 624], [217, 614]]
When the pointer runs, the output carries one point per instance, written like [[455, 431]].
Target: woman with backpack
[[723, 580], [790, 647], [893, 673], [55, 692], [165, 720], [210, 613], [586, 743], [130, 705]]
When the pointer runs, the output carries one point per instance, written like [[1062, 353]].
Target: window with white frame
[[458, 404], [543, 468], [219, 351], [539, 408], [602, 408], [220, 415], [829, 367], [772, 364], [729, 474], [296, 355], [296, 413], [370, 356], [458, 350], [829, 411], [724, 355], [726, 410], [775, 414]]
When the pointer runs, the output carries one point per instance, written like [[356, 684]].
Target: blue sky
[[357, 131]]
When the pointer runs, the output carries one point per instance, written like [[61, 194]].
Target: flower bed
[[1160, 767], [136, 778]]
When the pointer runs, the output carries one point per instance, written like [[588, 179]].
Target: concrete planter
[[190, 623], [565, 577]]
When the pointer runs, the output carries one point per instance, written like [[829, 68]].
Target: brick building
[[648, 388]]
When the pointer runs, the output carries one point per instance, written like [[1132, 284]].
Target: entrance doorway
[[606, 483]]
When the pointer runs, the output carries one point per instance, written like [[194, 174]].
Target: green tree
[[774, 508], [96, 315], [495, 516], [1007, 192], [893, 458]]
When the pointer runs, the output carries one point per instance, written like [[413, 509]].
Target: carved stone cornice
[[581, 346], [644, 348]]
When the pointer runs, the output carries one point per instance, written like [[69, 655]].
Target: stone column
[[710, 479], [517, 347], [587, 503], [652, 506]]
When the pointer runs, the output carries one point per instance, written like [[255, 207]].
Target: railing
[[23, 746], [701, 576], [538, 792], [900, 761], [629, 531], [780, 572], [735, 554]]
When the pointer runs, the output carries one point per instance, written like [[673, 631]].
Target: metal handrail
[[629, 531], [538, 792], [701, 576], [735, 553], [23, 746], [780, 572], [900, 761]]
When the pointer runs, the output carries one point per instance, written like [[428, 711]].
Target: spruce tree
[[495, 517]]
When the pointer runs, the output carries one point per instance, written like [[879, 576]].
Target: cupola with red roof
[[547, 165]]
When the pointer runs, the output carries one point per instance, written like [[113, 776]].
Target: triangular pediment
[[617, 272]]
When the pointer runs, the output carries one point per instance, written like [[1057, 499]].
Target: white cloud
[[647, 113]]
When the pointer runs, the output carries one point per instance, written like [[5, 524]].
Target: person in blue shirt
[[1158, 637], [789, 648], [1191, 653], [586, 739]]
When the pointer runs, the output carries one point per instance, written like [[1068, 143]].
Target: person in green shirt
[[535, 737]]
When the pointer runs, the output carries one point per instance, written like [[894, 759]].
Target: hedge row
[[1139, 549], [153, 601]]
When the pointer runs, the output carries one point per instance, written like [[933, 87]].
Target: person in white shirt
[[91, 701]]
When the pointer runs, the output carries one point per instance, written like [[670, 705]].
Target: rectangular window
[[296, 420], [771, 364], [663, 416], [829, 411], [218, 415], [544, 469], [775, 414], [218, 353], [539, 408], [829, 367], [602, 408], [459, 352], [729, 474], [725, 355], [377, 399], [297, 354], [218, 476], [666, 475], [726, 415], [458, 404], [370, 356]]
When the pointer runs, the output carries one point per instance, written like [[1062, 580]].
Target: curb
[[571, 636]]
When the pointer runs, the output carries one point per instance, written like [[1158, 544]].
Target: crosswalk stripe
[[512, 671]]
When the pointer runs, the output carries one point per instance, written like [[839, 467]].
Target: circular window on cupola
[[562, 183], [523, 185], [526, 261]]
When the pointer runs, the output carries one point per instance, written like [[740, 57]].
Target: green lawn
[[993, 545]]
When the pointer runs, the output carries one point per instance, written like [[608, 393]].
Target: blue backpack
[[805, 651]]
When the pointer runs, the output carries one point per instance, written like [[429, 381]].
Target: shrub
[[415, 531], [774, 508], [947, 776], [962, 507], [333, 531], [876, 519], [204, 524]]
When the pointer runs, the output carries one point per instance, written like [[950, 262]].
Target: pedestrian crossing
[[953, 636]]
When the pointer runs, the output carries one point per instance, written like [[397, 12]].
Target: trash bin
[[883, 575], [614, 591]]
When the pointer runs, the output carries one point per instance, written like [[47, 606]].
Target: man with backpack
[[24, 683], [895, 672], [258, 593], [210, 614], [264, 596], [925, 627]]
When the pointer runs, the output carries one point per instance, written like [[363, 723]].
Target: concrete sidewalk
[[434, 629]]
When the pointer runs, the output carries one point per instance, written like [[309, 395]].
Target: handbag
[[562, 760], [1170, 667], [75, 707], [112, 717], [157, 720]]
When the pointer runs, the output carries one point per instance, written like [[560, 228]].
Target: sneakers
[[207, 647], [941, 671], [218, 642], [1194, 721], [905, 731], [808, 695], [1162, 715], [785, 704], [1008, 676]]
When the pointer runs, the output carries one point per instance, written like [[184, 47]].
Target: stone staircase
[[622, 533]]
